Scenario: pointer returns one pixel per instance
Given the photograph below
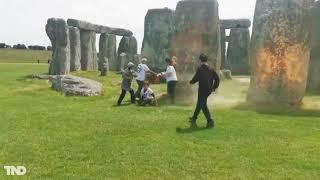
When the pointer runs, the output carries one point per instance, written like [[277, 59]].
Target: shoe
[[210, 125], [193, 123]]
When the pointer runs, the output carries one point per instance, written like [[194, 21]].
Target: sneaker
[[192, 122], [210, 124]]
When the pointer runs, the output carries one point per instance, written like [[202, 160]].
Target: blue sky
[[23, 21]]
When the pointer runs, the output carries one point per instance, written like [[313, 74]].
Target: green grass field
[[59, 137]]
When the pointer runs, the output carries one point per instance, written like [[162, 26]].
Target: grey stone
[[75, 86], [238, 51], [224, 63], [89, 59], [104, 66], [108, 49], [129, 46], [197, 31], [58, 32], [235, 23], [123, 61], [314, 67], [226, 74], [158, 34], [75, 49], [279, 52], [83, 25]]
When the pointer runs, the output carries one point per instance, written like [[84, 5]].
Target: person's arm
[[195, 78], [216, 80]]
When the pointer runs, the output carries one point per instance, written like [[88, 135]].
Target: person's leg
[[133, 97], [140, 86], [171, 91], [207, 114], [199, 106], [123, 94]]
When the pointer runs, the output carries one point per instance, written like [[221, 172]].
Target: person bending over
[[172, 80], [127, 76], [208, 81], [147, 95]]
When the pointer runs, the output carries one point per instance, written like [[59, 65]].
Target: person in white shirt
[[142, 70], [171, 77], [147, 95]]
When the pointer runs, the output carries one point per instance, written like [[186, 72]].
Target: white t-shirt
[[170, 74], [146, 94], [141, 72]]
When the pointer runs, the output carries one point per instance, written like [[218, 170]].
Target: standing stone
[[104, 66], [280, 51], [158, 34], [75, 49], [224, 64], [58, 32], [197, 31], [123, 61], [314, 70], [107, 49], [89, 59], [238, 51], [129, 46]]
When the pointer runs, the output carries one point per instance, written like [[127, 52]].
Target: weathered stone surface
[[123, 61], [75, 49], [197, 31], [58, 32], [238, 51], [129, 46], [89, 59], [108, 49], [235, 23], [83, 25], [280, 51], [224, 63], [104, 66], [314, 70], [226, 74], [158, 34], [75, 86]]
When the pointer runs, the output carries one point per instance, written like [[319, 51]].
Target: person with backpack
[[208, 81]]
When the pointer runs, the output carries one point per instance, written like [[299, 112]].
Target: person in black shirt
[[208, 81]]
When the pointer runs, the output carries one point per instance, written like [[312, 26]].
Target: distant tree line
[[23, 46]]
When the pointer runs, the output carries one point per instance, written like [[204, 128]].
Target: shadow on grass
[[279, 110], [190, 130]]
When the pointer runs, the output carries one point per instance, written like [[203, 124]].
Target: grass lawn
[[58, 137], [24, 56]]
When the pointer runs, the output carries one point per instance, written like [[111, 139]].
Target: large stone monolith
[[75, 49], [280, 52], [108, 49], [238, 51], [197, 31], [129, 46], [158, 34], [89, 59], [314, 70], [58, 32]]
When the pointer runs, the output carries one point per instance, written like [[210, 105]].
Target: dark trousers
[[123, 94], [171, 90], [202, 105], [140, 86]]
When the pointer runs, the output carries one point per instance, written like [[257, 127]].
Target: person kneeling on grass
[[147, 95], [127, 76]]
